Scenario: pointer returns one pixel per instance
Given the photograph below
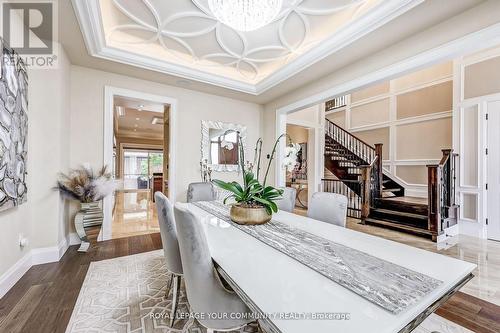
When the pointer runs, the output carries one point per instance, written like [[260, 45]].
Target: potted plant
[[88, 188], [256, 202]]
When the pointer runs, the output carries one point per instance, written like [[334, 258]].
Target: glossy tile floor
[[134, 214], [475, 308], [481, 252], [484, 253]]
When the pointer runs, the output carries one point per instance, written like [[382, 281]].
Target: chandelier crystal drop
[[245, 15]]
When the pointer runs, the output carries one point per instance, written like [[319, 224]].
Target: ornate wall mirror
[[220, 144]]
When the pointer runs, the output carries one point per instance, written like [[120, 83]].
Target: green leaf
[[262, 201], [269, 189], [237, 185], [227, 186], [274, 207], [228, 197], [249, 176]]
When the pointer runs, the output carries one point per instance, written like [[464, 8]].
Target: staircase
[[376, 198]]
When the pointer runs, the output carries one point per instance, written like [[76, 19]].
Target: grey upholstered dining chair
[[287, 203], [205, 292], [171, 251], [328, 207], [201, 192]]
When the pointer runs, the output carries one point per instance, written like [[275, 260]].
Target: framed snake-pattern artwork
[[13, 128]]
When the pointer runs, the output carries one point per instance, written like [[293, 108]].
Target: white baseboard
[[448, 237], [46, 255], [14, 274], [473, 229], [73, 239], [37, 256]]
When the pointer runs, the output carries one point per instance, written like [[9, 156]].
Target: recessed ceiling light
[[135, 130], [135, 125], [137, 118]]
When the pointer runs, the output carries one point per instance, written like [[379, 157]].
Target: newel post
[[433, 199], [365, 191], [378, 153]]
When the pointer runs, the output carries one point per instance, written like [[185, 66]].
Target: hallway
[[134, 214]]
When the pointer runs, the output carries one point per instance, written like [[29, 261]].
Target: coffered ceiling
[[182, 37]]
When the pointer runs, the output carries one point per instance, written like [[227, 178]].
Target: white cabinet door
[[493, 169]]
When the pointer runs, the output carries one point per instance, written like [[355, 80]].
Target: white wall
[[476, 88], [87, 110], [43, 218], [385, 64]]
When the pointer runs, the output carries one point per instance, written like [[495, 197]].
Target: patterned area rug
[[127, 295]]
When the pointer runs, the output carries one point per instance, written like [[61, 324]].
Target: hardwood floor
[[43, 300], [472, 313]]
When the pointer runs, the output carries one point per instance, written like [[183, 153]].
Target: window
[[139, 166]]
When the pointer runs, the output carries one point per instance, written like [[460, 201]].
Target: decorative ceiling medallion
[[185, 38], [197, 37], [245, 15]]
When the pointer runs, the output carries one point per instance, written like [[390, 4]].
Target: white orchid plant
[[290, 160], [252, 193]]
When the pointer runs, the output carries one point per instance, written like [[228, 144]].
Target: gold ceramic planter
[[249, 215]]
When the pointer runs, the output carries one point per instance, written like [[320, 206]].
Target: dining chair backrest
[[287, 203], [204, 291], [201, 192], [328, 207], [168, 233]]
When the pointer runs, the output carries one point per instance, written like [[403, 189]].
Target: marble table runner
[[381, 282]]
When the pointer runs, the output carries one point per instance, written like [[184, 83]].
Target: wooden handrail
[[353, 181], [362, 150], [441, 191], [336, 103], [369, 161], [434, 216], [349, 133], [445, 157]]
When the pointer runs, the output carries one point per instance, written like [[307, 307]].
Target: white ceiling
[[185, 32], [137, 120], [88, 49], [183, 37]]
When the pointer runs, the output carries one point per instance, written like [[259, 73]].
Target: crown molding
[[89, 18], [381, 15]]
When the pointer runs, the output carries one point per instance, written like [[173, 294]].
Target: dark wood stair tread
[[400, 204], [398, 225], [398, 213], [408, 200], [391, 190]]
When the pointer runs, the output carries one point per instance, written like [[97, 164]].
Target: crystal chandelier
[[245, 15]]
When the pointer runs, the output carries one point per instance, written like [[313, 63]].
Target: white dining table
[[289, 293]]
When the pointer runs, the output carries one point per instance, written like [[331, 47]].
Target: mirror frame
[[206, 125]]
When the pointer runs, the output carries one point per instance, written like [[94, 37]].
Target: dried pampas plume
[[85, 185]]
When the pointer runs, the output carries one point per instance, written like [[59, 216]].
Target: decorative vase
[[249, 215], [90, 214]]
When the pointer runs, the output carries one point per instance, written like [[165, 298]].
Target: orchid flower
[[290, 159], [226, 144]]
